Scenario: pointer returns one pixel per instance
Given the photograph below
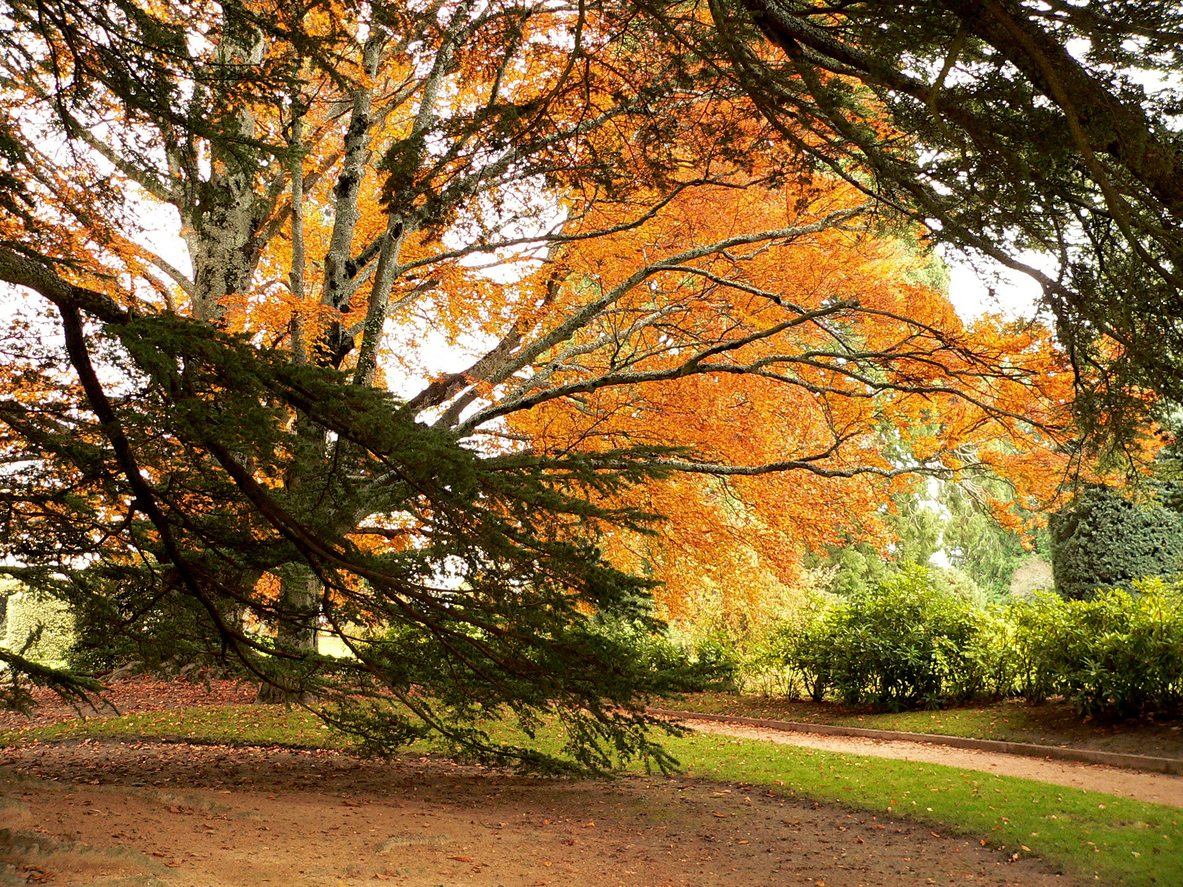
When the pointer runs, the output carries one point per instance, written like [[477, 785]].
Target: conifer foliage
[[1105, 541]]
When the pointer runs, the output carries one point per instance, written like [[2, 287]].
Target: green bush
[[800, 648], [1119, 654], [38, 627], [716, 663], [762, 668], [1042, 624], [908, 643], [1103, 540], [902, 644]]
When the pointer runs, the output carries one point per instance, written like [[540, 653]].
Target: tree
[[1104, 541], [1043, 126], [1168, 464], [209, 460], [863, 397], [977, 543]]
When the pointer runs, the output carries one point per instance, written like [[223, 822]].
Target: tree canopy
[[673, 272], [1031, 126]]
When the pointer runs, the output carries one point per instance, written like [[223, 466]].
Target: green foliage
[[805, 646], [857, 567], [976, 543], [716, 663], [904, 644], [39, 635], [860, 566], [909, 643], [1168, 462], [1103, 540], [982, 553], [918, 530], [477, 586], [463, 700], [1118, 654], [39, 627], [121, 618]]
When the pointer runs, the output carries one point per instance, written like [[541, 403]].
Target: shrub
[[39, 628], [1043, 636], [715, 663], [903, 644], [1119, 654], [762, 669], [806, 646]]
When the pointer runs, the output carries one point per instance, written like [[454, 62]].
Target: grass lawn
[[1115, 840]]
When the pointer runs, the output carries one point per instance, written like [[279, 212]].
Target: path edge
[[1170, 766]]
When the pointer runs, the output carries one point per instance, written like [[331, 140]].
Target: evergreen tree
[[976, 543], [1103, 540]]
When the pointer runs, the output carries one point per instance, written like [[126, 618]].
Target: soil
[[140, 813], [206, 817]]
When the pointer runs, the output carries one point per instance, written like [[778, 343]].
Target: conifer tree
[[1045, 127]]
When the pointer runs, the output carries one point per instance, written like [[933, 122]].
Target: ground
[[138, 813], [1157, 788], [207, 817]]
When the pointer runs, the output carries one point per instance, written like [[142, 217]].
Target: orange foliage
[[824, 352]]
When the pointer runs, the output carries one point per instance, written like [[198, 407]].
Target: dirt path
[[156, 815], [1156, 787]]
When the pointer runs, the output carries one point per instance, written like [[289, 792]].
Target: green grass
[[1091, 835]]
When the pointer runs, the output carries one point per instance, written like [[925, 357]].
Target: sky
[[1015, 294]]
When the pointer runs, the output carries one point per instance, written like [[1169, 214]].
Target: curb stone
[[1170, 766]]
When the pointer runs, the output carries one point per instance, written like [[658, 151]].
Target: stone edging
[[1171, 766]]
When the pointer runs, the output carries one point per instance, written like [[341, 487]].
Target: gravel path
[[1156, 787]]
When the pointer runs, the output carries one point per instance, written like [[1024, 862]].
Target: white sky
[[1015, 294]]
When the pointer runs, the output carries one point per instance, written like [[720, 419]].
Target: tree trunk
[[299, 605], [295, 634]]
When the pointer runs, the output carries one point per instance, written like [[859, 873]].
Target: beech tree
[[869, 403], [217, 455]]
